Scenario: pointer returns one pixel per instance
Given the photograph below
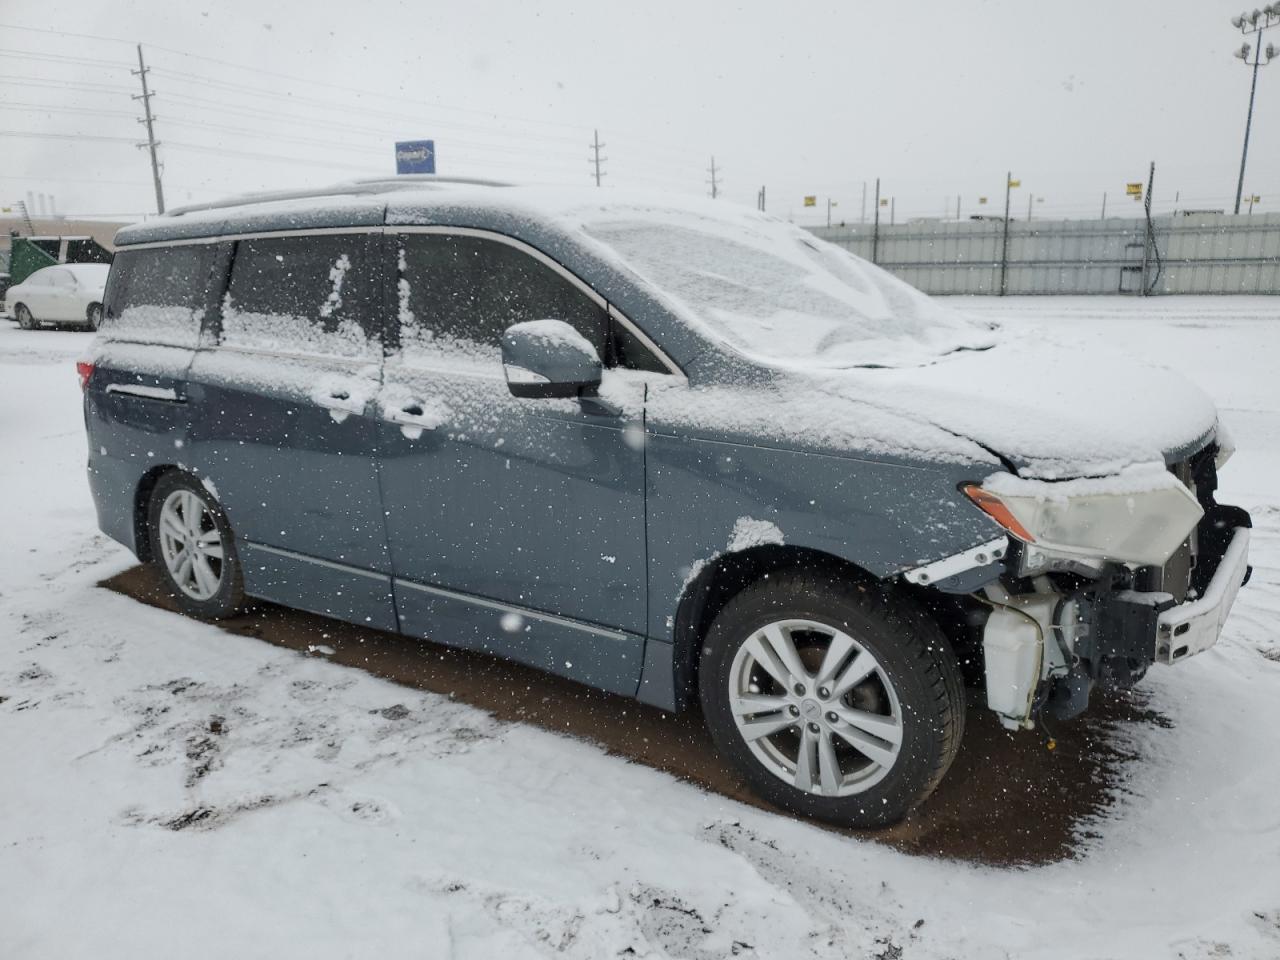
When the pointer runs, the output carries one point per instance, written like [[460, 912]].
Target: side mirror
[[548, 358]]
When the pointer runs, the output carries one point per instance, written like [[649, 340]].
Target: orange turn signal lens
[[994, 507]]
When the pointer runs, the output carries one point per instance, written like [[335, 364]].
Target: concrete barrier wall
[[1203, 253]]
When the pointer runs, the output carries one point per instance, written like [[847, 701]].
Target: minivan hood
[[1050, 414]]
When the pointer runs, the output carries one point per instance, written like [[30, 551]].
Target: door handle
[[413, 417], [340, 403]]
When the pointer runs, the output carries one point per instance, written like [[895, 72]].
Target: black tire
[[93, 316], [228, 600], [25, 320], [913, 655]]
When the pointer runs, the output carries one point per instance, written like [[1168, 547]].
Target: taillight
[[85, 370]]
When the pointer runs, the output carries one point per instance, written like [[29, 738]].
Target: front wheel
[[835, 699], [192, 546], [25, 320]]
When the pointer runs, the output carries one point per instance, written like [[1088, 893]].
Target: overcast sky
[[938, 99]]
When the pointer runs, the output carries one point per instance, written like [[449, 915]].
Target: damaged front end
[[1096, 581]]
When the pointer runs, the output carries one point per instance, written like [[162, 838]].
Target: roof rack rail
[[363, 186]]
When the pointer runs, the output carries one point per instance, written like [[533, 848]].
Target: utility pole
[[875, 232], [760, 198], [830, 203], [1030, 197], [893, 210], [863, 218], [957, 206], [1149, 237], [1104, 205], [26, 218], [597, 159], [1256, 22], [715, 182], [149, 120], [1004, 246]]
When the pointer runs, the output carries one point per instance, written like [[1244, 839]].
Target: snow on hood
[[1052, 415]]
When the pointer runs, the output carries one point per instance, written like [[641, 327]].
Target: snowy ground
[[169, 789]]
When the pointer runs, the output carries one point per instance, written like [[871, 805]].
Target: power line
[[50, 108], [95, 180], [88, 85], [41, 135], [312, 82]]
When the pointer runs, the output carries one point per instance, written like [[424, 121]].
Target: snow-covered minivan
[[671, 449]]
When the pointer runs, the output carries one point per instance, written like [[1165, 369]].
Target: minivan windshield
[[784, 297]]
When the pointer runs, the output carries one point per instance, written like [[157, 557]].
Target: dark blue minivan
[[670, 449]]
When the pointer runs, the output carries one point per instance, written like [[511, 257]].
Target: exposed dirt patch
[[1008, 799]]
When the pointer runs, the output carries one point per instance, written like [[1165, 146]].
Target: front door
[[515, 526], [282, 399]]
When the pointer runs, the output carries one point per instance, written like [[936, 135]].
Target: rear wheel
[[25, 320], [94, 316], [836, 700], [192, 546]]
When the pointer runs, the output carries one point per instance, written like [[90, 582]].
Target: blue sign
[[416, 156]]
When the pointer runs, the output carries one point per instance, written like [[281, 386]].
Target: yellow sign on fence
[[1133, 189], [884, 203], [1014, 183], [810, 201]]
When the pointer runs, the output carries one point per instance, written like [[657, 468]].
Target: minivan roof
[[423, 199]]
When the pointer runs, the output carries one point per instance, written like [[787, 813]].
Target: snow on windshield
[[781, 295]]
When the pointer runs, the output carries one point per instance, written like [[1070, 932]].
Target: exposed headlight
[[1140, 516]]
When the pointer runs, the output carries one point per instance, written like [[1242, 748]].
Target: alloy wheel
[[191, 545], [815, 707]]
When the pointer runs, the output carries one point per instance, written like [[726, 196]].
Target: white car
[[66, 293]]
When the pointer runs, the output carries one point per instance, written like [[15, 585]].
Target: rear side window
[[304, 294], [158, 295]]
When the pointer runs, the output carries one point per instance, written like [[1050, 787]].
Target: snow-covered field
[[170, 789]]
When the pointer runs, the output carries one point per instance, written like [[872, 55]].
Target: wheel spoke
[[828, 764], [807, 760], [784, 650], [747, 704], [841, 646], [183, 573], [763, 654], [763, 726], [214, 551], [858, 669], [874, 736], [888, 729], [192, 511], [206, 579], [171, 525], [174, 558]]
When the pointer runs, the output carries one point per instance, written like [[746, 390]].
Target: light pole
[[1247, 23]]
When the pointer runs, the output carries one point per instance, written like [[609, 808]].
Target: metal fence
[[1201, 253]]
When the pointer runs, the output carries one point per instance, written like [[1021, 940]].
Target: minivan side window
[[157, 295], [458, 295], [302, 294]]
